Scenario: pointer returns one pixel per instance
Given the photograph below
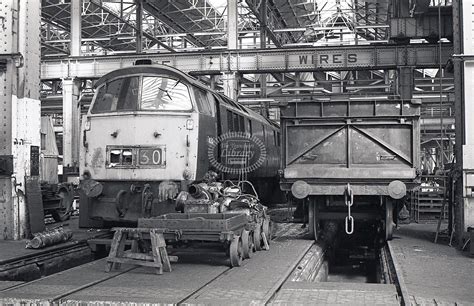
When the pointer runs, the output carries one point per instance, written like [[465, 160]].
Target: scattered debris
[[48, 238]]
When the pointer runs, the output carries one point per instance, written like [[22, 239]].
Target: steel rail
[[400, 280]]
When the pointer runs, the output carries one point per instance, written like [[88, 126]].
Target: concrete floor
[[433, 273]]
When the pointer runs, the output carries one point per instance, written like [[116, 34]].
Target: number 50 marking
[[154, 159]]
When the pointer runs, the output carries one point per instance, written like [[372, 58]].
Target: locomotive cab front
[[139, 145]]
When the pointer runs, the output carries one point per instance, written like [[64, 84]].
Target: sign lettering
[[327, 59]]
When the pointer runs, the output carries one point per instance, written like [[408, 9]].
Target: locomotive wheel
[[266, 228], [65, 203], [257, 238], [247, 244], [235, 252], [313, 222], [388, 219]]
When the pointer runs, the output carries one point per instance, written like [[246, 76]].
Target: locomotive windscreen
[[142, 93]]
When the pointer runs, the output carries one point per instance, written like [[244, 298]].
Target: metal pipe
[[197, 191]]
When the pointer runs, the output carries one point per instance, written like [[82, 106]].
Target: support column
[[263, 24], [70, 97], [76, 28], [405, 82], [139, 34], [263, 44], [71, 114], [20, 114], [230, 80], [463, 12]]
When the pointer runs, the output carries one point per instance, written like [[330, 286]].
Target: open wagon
[[350, 159]]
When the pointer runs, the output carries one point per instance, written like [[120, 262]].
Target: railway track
[[284, 274], [46, 262]]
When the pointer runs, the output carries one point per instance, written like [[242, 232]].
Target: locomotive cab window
[[142, 93], [117, 95], [160, 93]]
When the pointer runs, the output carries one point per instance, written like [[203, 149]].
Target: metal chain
[[349, 200]]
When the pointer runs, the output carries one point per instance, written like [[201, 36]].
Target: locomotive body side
[[361, 154], [145, 139]]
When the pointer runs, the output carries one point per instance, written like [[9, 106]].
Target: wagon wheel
[[257, 238], [388, 219], [313, 221], [247, 244], [63, 213], [235, 252], [266, 228]]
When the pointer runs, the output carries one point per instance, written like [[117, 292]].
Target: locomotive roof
[[173, 72], [152, 69]]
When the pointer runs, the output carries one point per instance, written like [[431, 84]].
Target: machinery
[[350, 160], [57, 197], [216, 215], [152, 131]]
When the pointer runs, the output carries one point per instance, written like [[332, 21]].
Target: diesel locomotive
[[350, 161], [147, 135]]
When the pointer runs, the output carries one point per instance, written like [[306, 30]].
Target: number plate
[[152, 157]]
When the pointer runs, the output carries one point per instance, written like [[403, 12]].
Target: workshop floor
[[434, 273], [10, 249], [20, 263]]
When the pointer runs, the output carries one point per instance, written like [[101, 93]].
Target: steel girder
[[260, 61], [186, 16], [98, 22]]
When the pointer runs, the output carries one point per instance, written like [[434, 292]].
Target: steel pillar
[[139, 34], [20, 113], [463, 12], [263, 45], [263, 24], [406, 82], [230, 80], [71, 111], [76, 28], [71, 114], [232, 23]]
